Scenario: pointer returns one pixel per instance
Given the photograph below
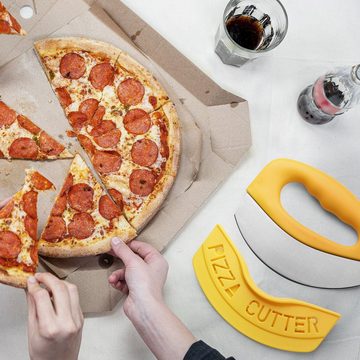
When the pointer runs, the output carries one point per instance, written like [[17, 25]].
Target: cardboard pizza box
[[215, 126]]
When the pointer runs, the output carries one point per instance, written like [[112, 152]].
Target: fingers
[[117, 280], [41, 305], [123, 252], [4, 202], [121, 286], [31, 309], [59, 291], [75, 304], [117, 275], [145, 251]]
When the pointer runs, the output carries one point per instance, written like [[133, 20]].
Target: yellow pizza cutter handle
[[333, 196]]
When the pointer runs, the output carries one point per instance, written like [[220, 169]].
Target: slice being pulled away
[[84, 218], [18, 231], [22, 139], [8, 24], [122, 117]]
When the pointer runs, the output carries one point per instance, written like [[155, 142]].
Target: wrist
[[144, 311]]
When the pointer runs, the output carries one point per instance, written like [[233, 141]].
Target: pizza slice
[[22, 139], [136, 158], [82, 69], [8, 24], [84, 218], [18, 231]]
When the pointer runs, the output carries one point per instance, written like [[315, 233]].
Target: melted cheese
[[15, 223], [9, 134]]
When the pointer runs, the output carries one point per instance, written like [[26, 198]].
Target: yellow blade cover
[[285, 324]]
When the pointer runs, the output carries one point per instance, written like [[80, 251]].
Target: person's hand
[[55, 319], [143, 277]]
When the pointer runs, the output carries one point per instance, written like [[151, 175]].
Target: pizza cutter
[[287, 246]]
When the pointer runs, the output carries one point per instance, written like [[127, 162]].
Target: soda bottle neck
[[355, 74], [338, 91]]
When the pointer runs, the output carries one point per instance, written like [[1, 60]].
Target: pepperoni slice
[[106, 161], [70, 133], [6, 211], [59, 206], [108, 140], [55, 229], [29, 203], [98, 116], [86, 144], [142, 182], [117, 197], [72, 66], [144, 152], [77, 120], [104, 127], [40, 182], [153, 101], [27, 124], [7, 115], [130, 92], [80, 197], [108, 209], [81, 226], [137, 121], [50, 146], [23, 148], [4, 27], [31, 226], [15, 25], [89, 107], [102, 75], [10, 245], [64, 97], [34, 254]]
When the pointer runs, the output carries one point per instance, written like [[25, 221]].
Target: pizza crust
[[65, 249], [19, 280], [174, 139]]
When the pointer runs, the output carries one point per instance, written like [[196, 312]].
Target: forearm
[[165, 335]]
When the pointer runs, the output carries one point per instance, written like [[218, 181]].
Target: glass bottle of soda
[[331, 95]]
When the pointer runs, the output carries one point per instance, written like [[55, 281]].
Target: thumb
[[122, 251]]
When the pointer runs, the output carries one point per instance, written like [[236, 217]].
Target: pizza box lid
[[215, 126]]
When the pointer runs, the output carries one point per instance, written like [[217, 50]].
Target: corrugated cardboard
[[215, 131]]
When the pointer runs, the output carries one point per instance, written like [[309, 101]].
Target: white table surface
[[319, 31]]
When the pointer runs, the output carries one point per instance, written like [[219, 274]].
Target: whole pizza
[[130, 132], [129, 129]]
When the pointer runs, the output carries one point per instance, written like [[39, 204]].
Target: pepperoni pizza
[[18, 231], [84, 218], [22, 139], [8, 24], [121, 116]]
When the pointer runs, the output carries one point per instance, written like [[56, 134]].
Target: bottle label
[[321, 101]]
